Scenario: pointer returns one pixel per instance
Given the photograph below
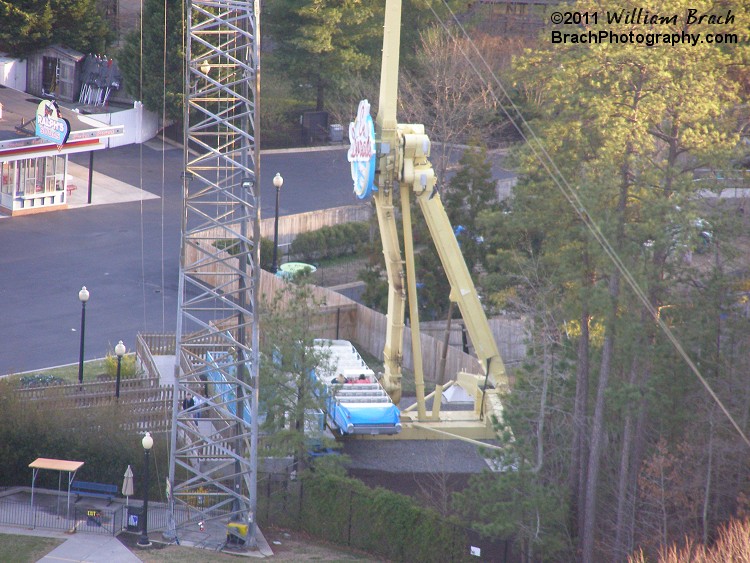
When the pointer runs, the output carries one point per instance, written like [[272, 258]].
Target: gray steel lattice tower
[[213, 467]]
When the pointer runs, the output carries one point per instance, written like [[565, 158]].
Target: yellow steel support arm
[[463, 291], [418, 172], [402, 156], [385, 176]]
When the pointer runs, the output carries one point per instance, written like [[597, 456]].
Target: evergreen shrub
[[378, 521], [54, 428], [331, 242], [232, 247]]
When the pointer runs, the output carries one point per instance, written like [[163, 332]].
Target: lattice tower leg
[[213, 464]]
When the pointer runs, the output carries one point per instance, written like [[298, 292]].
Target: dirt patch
[[287, 545], [297, 546], [343, 272]]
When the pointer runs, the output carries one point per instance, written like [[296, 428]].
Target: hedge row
[[54, 429], [330, 242], [232, 247], [347, 512]]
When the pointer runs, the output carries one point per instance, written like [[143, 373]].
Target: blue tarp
[[223, 389]]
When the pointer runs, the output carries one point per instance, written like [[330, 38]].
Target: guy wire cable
[[140, 181], [562, 184], [163, 166]]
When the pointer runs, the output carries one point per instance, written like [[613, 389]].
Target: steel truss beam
[[213, 464]]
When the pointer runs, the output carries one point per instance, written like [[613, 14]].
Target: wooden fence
[[149, 345], [149, 402], [292, 225], [158, 344], [213, 271], [348, 320], [88, 389], [511, 336], [341, 317]]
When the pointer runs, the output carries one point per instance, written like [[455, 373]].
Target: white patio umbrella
[[127, 485]]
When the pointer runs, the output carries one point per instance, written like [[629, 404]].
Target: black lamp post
[[120, 352], [278, 181], [83, 296], [148, 443]]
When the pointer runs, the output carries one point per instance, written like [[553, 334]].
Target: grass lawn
[[25, 549], [69, 373], [91, 370]]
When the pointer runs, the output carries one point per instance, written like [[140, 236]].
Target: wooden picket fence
[[149, 402], [91, 389]]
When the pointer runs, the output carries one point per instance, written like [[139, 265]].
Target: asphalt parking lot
[[124, 248]]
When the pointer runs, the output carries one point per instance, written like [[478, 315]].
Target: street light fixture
[[247, 186], [83, 296], [120, 352], [278, 181], [147, 443]]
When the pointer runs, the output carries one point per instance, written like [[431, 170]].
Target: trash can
[[336, 133], [134, 518]]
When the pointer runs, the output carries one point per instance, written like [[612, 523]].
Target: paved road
[[126, 254]]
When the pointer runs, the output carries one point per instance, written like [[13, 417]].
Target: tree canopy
[[628, 130], [29, 25], [318, 43], [290, 397], [152, 60]]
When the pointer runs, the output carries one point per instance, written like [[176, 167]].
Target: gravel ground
[[415, 456]]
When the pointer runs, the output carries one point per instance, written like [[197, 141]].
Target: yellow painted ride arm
[[403, 152], [418, 172], [385, 175]]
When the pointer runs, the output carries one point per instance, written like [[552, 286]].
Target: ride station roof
[[17, 129]]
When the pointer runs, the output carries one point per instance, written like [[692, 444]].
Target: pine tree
[[151, 74], [25, 26], [627, 126], [29, 25], [319, 43], [80, 25], [470, 192], [289, 395]]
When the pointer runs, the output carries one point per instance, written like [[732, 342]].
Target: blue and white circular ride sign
[[361, 153]]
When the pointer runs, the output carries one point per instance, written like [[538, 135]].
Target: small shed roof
[[61, 52], [55, 464]]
